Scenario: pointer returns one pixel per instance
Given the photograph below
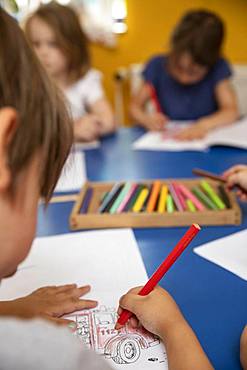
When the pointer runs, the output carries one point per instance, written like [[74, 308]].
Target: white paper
[[229, 252], [73, 175], [234, 135], [87, 146], [110, 262]]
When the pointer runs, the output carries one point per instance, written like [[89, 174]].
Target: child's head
[[195, 45], [56, 35], [35, 139]]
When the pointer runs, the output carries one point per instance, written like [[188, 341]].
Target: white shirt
[[84, 93], [38, 345]]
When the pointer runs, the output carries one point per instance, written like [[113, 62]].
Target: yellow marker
[[162, 200], [140, 200]]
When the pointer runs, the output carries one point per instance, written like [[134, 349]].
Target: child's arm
[[102, 110], [159, 314], [226, 114], [49, 303], [151, 121], [237, 175], [243, 349]]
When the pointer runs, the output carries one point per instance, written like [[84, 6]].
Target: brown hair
[[200, 33], [69, 36], [43, 121]]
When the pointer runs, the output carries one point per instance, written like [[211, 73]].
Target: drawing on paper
[[96, 329]]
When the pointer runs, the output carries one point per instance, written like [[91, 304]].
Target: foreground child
[[55, 33], [191, 82], [35, 139]]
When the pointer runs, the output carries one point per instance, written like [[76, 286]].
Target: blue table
[[213, 300]]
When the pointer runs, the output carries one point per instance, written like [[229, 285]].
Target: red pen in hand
[[162, 269]]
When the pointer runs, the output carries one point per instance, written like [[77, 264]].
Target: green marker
[[120, 197], [211, 193], [190, 205], [169, 204], [203, 198]]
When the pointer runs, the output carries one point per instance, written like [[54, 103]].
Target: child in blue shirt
[[191, 82]]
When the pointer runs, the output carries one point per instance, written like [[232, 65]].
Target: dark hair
[[200, 33], [69, 36], [43, 121]]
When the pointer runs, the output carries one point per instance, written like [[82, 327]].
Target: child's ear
[[8, 125]]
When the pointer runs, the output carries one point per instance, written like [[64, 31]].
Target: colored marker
[[119, 199], [187, 193], [133, 198], [203, 198], [112, 201], [153, 196], [162, 269], [163, 198], [154, 98], [86, 200], [127, 198], [169, 204], [175, 198], [190, 205], [224, 196], [180, 195], [213, 196], [210, 175], [148, 197], [140, 200], [109, 197]]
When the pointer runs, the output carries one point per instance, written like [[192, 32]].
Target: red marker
[[154, 98], [162, 269]]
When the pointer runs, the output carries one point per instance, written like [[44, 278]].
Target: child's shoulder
[[91, 77], [221, 70], [157, 60]]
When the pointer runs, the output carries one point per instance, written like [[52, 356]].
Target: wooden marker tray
[[94, 220]]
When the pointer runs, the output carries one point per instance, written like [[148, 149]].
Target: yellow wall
[[149, 25]]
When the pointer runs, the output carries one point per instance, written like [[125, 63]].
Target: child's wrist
[[169, 329]]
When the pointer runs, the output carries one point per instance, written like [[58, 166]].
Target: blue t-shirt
[[185, 102]]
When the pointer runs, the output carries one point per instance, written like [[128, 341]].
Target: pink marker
[[180, 195], [175, 197], [127, 198], [187, 193]]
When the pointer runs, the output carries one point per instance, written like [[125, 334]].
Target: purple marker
[[86, 200]]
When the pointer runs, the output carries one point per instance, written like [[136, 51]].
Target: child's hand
[[157, 312], [237, 175], [156, 121], [243, 348], [50, 303], [194, 132], [87, 128]]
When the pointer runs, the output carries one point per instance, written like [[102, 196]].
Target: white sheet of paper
[[87, 146], [234, 135], [110, 262], [73, 174], [229, 252]]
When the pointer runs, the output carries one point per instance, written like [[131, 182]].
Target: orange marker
[[153, 196]]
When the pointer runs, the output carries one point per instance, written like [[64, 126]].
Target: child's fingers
[[234, 169], [134, 322], [129, 301], [234, 179], [74, 292], [81, 304], [64, 288], [62, 322]]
